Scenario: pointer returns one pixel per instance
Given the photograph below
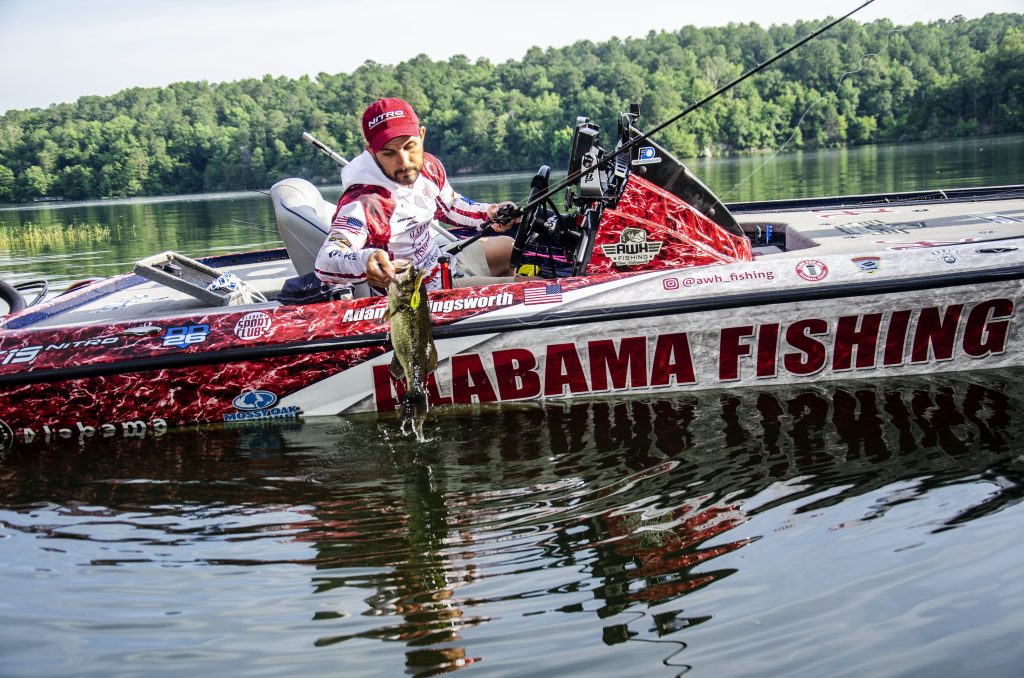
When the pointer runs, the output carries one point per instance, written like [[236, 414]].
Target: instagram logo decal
[[670, 283]]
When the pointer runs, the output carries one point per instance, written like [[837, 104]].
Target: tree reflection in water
[[609, 512]]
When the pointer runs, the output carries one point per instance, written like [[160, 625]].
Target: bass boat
[[643, 281]]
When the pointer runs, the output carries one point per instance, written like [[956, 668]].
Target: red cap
[[386, 119]]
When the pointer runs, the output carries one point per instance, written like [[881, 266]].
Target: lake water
[[821, 530]]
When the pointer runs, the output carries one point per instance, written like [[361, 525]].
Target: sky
[[54, 51]]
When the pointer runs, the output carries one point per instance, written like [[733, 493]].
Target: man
[[393, 191]]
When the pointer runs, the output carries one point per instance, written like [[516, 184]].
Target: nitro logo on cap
[[386, 115]]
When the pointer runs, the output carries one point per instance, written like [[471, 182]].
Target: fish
[[413, 340]]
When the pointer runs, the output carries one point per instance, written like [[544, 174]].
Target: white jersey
[[375, 212]]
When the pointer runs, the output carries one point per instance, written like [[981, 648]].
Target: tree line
[[859, 83]]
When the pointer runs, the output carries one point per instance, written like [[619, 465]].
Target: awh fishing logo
[[260, 405], [646, 156], [633, 248]]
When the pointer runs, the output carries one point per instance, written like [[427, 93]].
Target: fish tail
[[414, 405]]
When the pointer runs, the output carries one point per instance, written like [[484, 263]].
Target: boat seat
[[303, 219]]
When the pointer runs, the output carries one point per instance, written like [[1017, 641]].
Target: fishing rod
[[633, 143], [327, 150]]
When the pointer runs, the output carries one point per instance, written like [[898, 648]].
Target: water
[[820, 530]]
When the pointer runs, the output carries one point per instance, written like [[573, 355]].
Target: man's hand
[[492, 211], [380, 270]]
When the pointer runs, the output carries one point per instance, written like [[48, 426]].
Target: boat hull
[[775, 321]]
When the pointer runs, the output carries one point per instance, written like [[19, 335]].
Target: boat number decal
[[633, 248], [812, 270], [253, 325], [186, 335]]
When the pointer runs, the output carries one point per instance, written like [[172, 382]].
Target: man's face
[[402, 158]]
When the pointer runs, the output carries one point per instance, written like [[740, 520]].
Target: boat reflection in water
[[521, 530]]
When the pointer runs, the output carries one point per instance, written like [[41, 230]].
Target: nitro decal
[[260, 405], [186, 335], [867, 264], [801, 348], [812, 270], [438, 306], [253, 325], [27, 354], [82, 432], [633, 248]]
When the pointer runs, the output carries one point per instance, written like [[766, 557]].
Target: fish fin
[[432, 358], [396, 368]]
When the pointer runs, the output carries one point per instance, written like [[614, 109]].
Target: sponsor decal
[[875, 227], [867, 264], [126, 429], [799, 348], [633, 248], [260, 405], [550, 293], [253, 325], [945, 256], [254, 400], [339, 240], [436, 306], [6, 435], [27, 354], [995, 250], [646, 156], [386, 115], [852, 213], [998, 218], [186, 335], [812, 270], [290, 412], [922, 244], [697, 281]]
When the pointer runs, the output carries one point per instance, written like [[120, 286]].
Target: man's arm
[[343, 256]]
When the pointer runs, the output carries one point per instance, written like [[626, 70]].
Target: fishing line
[[633, 143], [823, 97]]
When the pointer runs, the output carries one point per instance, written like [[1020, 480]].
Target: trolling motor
[[560, 243]]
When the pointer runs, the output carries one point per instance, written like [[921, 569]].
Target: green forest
[[858, 83]]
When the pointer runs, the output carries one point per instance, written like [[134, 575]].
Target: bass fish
[[413, 340]]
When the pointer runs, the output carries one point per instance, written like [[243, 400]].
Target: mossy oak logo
[[633, 248]]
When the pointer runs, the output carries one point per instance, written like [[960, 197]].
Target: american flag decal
[[543, 294]]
